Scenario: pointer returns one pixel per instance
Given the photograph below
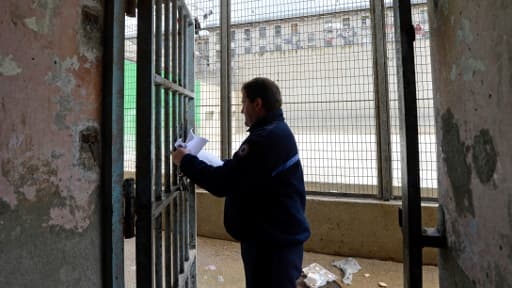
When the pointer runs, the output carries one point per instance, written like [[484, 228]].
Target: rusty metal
[[174, 117], [167, 145], [112, 142], [174, 203], [144, 144], [157, 242], [165, 83], [380, 83]]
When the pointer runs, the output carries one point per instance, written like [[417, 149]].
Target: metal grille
[[207, 73], [159, 99], [426, 122]]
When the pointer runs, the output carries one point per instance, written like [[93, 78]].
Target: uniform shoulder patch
[[243, 150]]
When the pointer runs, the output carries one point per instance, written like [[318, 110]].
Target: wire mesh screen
[[207, 73], [130, 92], [320, 54], [130, 88], [426, 122]]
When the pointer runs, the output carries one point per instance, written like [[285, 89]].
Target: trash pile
[[317, 276]]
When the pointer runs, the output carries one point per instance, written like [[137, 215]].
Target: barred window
[[263, 32], [277, 31]]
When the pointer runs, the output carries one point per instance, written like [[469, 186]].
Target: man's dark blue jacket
[[263, 185]]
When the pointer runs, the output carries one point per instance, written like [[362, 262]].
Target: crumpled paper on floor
[[348, 266], [317, 276]]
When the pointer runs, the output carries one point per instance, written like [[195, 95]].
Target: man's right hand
[[177, 155]]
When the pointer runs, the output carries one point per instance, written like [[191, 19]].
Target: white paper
[[210, 158], [194, 143]]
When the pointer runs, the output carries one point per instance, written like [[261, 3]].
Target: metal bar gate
[[165, 200], [415, 237]]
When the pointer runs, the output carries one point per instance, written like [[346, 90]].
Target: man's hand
[[178, 155]]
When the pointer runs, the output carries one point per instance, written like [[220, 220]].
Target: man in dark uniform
[[264, 189]]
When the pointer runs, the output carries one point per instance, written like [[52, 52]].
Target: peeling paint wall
[[50, 96], [472, 79]]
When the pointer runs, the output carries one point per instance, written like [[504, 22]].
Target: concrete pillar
[[472, 79]]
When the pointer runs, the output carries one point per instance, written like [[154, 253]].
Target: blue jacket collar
[[276, 115]]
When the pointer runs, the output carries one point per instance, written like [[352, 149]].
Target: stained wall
[[472, 79], [50, 97]]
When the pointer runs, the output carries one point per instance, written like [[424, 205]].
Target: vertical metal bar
[[380, 84], [158, 101], [174, 67], [191, 223], [181, 250], [411, 199], [144, 149], [182, 122], [190, 86], [225, 78], [193, 273], [158, 143], [167, 142], [112, 123], [175, 243], [174, 123], [181, 67], [184, 26]]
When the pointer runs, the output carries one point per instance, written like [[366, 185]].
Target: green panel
[[130, 88]]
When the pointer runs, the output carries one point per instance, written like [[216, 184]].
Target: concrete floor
[[225, 257], [219, 265]]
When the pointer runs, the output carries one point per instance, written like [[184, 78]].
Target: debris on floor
[[348, 266], [382, 284], [210, 267], [317, 276], [366, 275], [220, 278]]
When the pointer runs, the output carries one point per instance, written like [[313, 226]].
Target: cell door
[[165, 201], [157, 206]]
